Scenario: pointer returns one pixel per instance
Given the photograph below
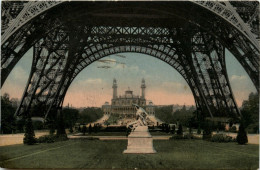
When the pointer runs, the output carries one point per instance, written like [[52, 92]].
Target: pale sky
[[93, 86]]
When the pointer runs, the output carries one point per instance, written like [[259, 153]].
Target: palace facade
[[122, 104]]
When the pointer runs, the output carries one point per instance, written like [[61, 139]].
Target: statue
[[140, 140], [141, 118]]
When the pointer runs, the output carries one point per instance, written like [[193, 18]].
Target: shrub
[[84, 129], [221, 138], [52, 138], [188, 136], [29, 136], [71, 130], [37, 125], [233, 129], [173, 129], [253, 128], [46, 139], [79, 129], [185, 136], [177, 137], [207, 132], [241, 135], [206, 135], [61, 138], [90, 129], [199, 130]]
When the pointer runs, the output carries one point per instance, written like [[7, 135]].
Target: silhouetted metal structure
[[191, 36]]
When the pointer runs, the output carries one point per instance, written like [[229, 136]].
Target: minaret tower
[[114, 89], [143, 86]]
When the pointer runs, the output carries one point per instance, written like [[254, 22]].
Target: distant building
[[106, 108], [150, 108], [122, 104]]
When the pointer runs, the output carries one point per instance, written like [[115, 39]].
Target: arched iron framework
[[192, 40]]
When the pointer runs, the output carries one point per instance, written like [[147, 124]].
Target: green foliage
[[39, 109], [221, 138], [37, 125], [71, 130], [241, 135], [207, 130], [112, 119], [70, 117], [164, 114], [79, 129], [199, 130], [46, 139], [233, 129], [60, 125], [177, 137], [250, 113], [51, 138], [89, 115], [29, 136], [20, 125], [180, 131], [90, 129], [182, 115], [61, 137], [7, 114], [185, 136], [173, 130], [51, 125], [84, 129]]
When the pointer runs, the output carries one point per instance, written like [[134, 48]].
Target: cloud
[[171, 85], [19, 75], [15, 83], [14, 90], [92, 81], [238, 78], [160, 97]]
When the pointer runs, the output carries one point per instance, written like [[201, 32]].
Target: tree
[[180, 131], [79, 129], [90, 129], [250, 113], [84, 129], [20, 123], [70, 117], [207, 130], [199, 130], [241, 135], [89, 115], [164, 113], [71, 130], [60, 128], [7, 114], [29, 136], [173, 129], [51, 126]]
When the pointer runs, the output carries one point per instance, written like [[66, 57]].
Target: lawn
[[122, 134], [108, 154]]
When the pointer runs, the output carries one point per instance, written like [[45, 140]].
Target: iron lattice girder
[[157, 35], [227, 11], [212, 73], [177, 16], [50, 55], [85, 52]]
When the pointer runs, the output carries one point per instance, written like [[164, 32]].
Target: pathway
[[13, 139]]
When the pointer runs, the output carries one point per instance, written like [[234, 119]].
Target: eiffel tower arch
[[190, 36]]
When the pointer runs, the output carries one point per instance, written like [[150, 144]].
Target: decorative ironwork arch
[[201, 42], [239, 44], [223, 9]]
